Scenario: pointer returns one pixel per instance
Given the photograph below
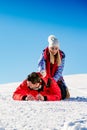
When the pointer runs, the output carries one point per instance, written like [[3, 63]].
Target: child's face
[[53, 50], [33, 86]]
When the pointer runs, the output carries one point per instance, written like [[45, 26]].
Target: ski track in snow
[[69, 114]]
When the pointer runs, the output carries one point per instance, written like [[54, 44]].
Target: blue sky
[[25, 26]]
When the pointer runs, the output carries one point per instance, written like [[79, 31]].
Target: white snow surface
[[69, 114]]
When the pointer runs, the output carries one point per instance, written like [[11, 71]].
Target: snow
[[69, 114]]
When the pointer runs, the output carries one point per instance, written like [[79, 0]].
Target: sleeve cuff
[[45, 98], [24, 98]]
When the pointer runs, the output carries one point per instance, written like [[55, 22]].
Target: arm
[[21, 92], [41, 63], [59, 71]]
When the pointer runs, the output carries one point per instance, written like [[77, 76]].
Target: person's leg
[[64, 90]]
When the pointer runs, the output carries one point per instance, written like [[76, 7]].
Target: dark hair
[[34, 78]]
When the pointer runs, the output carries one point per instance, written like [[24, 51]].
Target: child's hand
[[40, 97], [30, 98], [43, 73]]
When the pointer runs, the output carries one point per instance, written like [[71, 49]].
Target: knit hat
[[53, 41]]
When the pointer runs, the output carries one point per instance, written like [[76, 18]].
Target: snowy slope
[[69, 114]]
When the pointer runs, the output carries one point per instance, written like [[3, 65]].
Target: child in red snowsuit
[[35, 87]]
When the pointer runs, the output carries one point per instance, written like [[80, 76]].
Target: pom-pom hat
[[53, 41]]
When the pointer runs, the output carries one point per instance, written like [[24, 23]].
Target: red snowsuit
[[52, 92]]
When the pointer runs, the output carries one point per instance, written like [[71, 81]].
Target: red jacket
[[52, 93]]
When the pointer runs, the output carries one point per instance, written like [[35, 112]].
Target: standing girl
[[51, 63]]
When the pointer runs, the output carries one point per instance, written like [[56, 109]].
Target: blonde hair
[[52, 58]]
